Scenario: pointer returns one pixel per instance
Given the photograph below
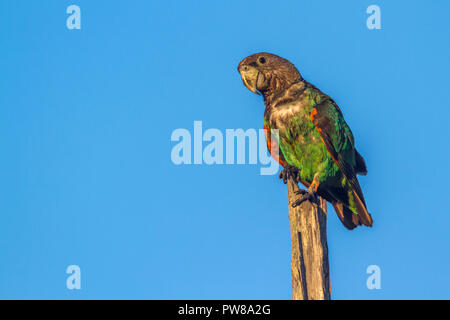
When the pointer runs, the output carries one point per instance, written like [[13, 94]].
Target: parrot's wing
[[339, 141]]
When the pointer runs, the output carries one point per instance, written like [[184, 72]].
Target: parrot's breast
[[300, 141]]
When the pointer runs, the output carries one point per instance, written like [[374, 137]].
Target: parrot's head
[[267, 73]]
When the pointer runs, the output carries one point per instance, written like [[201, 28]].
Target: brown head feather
[[278, 73]]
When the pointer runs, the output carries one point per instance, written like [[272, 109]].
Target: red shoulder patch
[[272, 146]]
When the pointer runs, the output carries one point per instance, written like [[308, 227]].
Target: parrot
[[314, 144]]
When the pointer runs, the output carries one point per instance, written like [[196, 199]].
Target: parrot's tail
[[348, 218], [351, 220], [363, 215]]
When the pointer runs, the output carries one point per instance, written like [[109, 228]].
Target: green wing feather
[[339, 141]]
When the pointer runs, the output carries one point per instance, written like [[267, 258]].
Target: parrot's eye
[[262, 60]]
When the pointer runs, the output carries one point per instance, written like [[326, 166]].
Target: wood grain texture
[[309, 264]]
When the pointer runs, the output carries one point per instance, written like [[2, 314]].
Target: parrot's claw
[[308, 194], [287, 172]]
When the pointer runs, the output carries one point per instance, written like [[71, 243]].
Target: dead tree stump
[[309, 264]]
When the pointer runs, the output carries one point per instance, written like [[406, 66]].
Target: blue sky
[[87, 179]]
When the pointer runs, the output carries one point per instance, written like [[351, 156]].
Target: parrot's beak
[[250, 76]]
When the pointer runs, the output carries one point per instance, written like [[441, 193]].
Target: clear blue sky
[[86, 176]]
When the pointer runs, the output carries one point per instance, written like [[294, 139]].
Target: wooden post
[[309, 264]]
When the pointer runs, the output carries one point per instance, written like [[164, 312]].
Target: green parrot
[[316, 146]]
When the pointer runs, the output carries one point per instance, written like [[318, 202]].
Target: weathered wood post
[[309, 264]]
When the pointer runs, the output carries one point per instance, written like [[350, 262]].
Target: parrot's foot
[[308, 194], [289, 172]]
